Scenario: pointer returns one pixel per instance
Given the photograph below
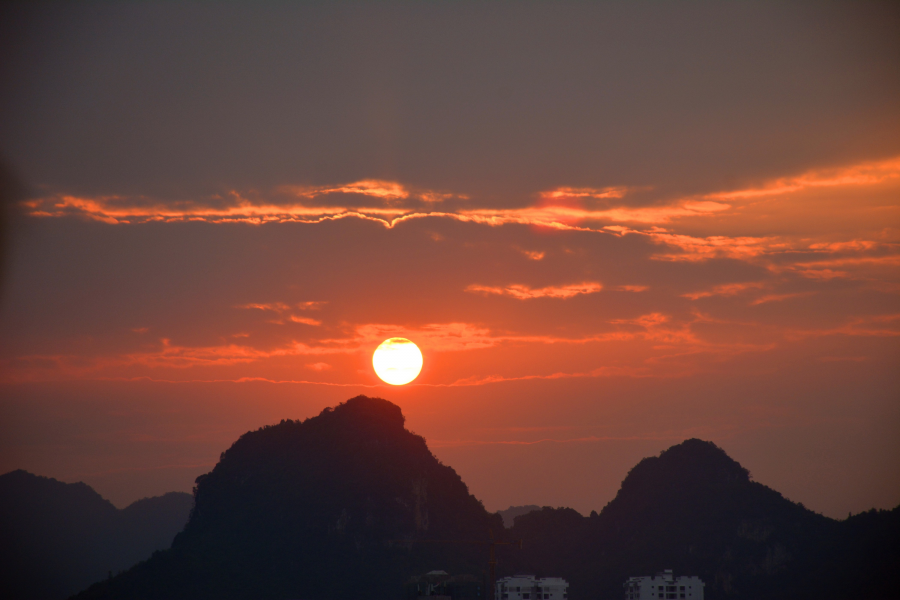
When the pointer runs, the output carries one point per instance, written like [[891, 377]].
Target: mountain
[[695, 510], [509, 515], [56, 538], [318, 509], [349, 504]]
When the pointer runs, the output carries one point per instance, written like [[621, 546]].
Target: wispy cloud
[[386, 190], [864, 174], [657, 329], [584, 192], [304, 320], [779, 297], [562, 216], [523, 292], [282, 308], [869, 326], [727, 289], [534, 255], [564, 208]]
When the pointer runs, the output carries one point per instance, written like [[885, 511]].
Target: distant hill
[[314, 509], [695, 510], [509, 515], [57, 538]]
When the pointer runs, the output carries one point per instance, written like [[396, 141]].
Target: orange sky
[[581, 301]]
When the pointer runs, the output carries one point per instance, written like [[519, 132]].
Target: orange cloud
[[632, 288], [557, 209], [523, 292], [854, 245], [873, 326], [864, 174], [434, 197], [824, 274], [648, 320], [313, 305], [558, 216], [281, 307], [118, 210], [717, 246], [571, 192], [440, 337], [304, 320], [667, 341], [779, 297], [386, 190], [121, 210], [273, 306], [728, 289]]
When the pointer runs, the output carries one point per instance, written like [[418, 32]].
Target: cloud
[[717, 246], [824, 274], [272, 306], [632, 288], [561, 216], [727, 289], [668, 340], [282, 307], [319, 366], [871, 326], [648, 320], [523, 292], [125, 210], [779, 297], [386, 190], [561, 208], [304, 320], [863, 174], [435, 197], [439, 337], [585, 192]]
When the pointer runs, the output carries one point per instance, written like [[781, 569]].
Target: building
[[440, 585], [529, 587], [664, 586]]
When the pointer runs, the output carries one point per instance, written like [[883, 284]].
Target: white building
[[664, 586], [529, 587]]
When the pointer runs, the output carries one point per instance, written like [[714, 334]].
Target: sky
[[609, 227]]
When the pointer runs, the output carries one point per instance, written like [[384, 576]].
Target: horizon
[[608, 228], [499, 510]]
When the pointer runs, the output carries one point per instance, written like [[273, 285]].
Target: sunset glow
[[607, 227]]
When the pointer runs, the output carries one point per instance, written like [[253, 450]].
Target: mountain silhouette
[[56, 538], [509, 515], [349, 504], [697, 511], [315, 509]]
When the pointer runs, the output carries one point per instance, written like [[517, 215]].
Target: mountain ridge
[[349, 500], [59, 537], [697, 511]]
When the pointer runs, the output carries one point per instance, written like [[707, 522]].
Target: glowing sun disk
[[397, 361]]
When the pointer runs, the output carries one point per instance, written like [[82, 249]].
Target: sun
[[397, 361]]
